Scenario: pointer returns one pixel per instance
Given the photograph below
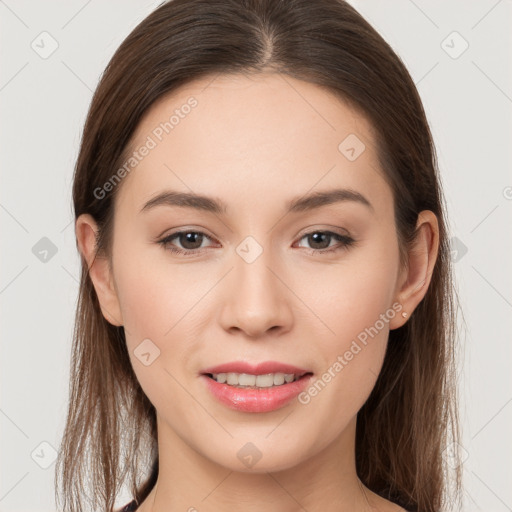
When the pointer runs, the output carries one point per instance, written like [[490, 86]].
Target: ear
[[99, 270], [414, 280]]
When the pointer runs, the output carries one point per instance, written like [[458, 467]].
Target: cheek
[[158, 333], [161, 303], [153, 293], [355, 307], [353, 294], [352, 351]]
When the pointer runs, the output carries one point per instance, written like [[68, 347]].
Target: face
[[269, 275]]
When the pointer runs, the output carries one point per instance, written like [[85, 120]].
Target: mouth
[[255, 388]]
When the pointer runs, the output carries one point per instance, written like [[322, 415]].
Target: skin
[[257, 142]]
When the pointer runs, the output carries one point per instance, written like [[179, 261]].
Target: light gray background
[[43, 103]]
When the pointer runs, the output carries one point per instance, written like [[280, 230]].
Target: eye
[[324, 238], [191, 241]]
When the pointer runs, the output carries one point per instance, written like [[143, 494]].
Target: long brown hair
[[411, 415]]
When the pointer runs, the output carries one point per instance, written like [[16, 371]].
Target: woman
[[266, 316]]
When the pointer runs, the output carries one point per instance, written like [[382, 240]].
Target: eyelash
[[346, 242]]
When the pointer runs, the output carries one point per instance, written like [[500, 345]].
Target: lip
[[256, 369], [256, 399]]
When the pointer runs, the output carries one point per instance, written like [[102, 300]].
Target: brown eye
[[320, 241], [190, 241]]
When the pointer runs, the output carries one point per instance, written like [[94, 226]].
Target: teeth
[[278, 379], [244, 379], [259, 381], [232, 379]]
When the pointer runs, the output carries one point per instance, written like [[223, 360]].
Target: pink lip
[[256, 399], [258, 369]]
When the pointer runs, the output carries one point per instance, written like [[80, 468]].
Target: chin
[[260, 457]]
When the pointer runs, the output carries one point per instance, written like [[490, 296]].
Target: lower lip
[[256, 400]]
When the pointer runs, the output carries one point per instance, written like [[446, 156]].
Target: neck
[[188, 481]]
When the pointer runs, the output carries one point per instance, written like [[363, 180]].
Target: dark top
[[130, 507]]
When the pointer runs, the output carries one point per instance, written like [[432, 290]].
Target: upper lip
[[256, 369]]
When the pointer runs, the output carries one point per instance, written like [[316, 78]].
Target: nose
[[256, 298]]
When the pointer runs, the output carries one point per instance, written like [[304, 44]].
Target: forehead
[[268, 134]]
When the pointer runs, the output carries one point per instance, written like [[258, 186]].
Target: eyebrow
[[217, 206]]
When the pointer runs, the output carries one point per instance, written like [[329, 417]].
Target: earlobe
[[99, 269], [416, 278]]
